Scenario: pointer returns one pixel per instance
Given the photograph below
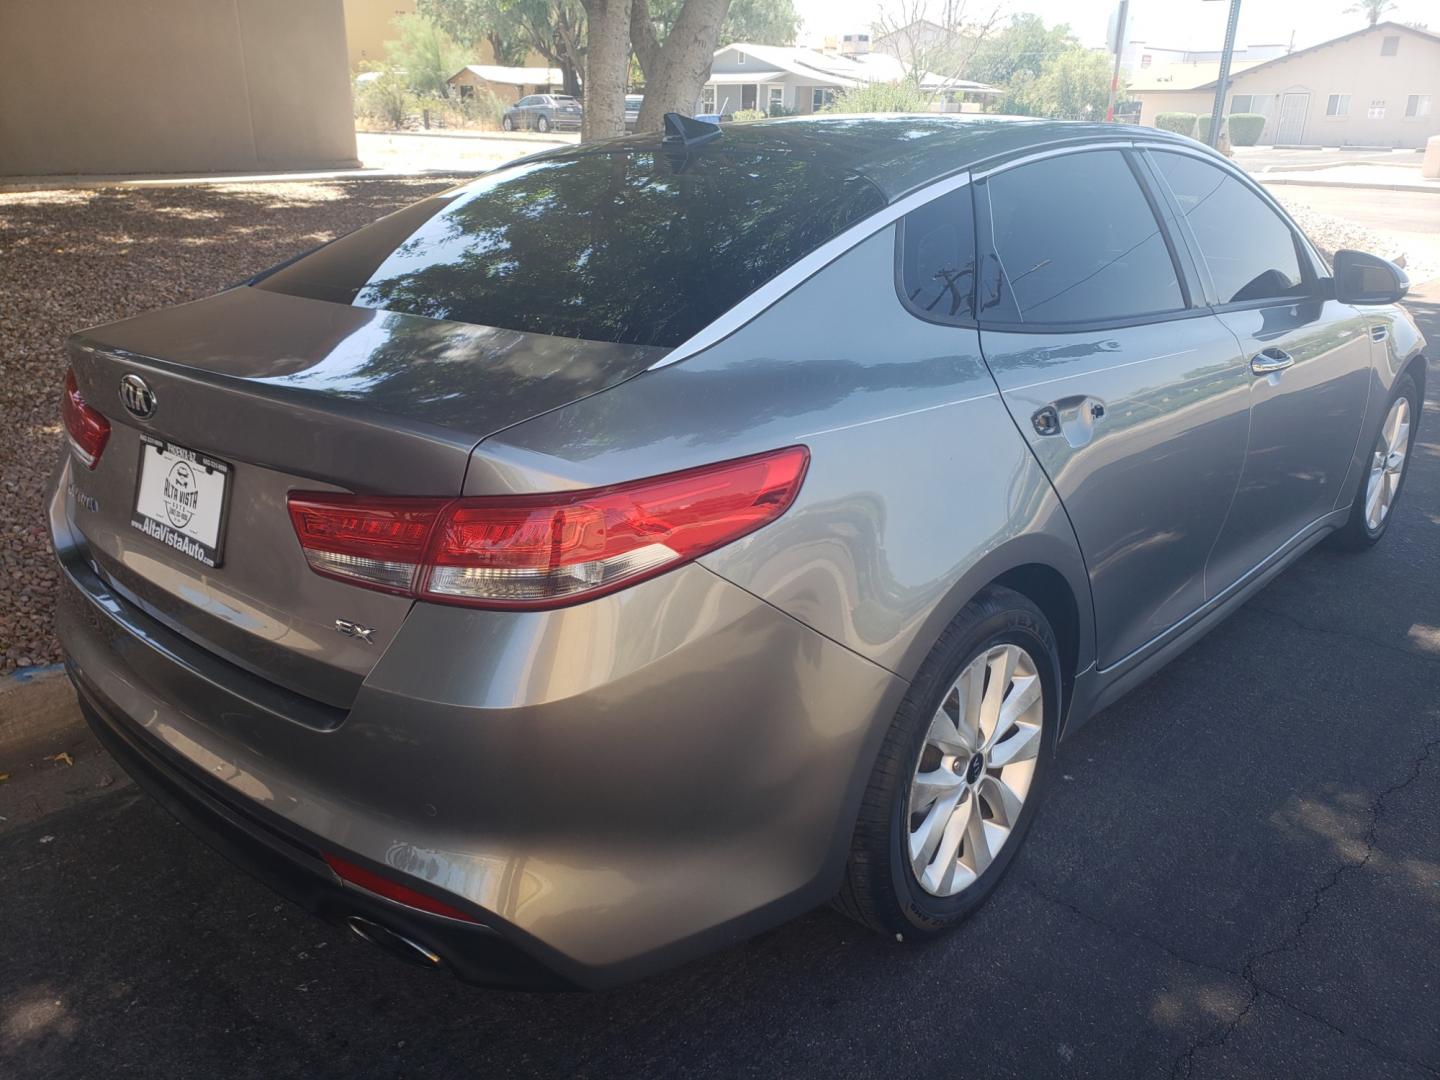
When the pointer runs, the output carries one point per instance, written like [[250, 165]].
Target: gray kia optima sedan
[[592, 565]]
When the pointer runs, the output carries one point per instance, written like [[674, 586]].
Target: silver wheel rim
[[1387, 464], [975, 770]]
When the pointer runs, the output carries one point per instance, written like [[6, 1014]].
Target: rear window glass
[[937, 258], [640, 245]]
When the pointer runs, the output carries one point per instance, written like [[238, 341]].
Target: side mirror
[[1368, 279]]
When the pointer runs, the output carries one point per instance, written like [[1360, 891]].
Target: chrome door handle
[[1269, 361]]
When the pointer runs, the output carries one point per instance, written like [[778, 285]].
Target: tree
[[1026, 45], [675, 69], [896, 97], [1371, 9], [513, 28], [1073, 85], [426, 54], [607, 66], [471, 22], [759, 22], [939, 36]]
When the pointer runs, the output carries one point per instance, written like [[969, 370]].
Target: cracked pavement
[[1237, 875]]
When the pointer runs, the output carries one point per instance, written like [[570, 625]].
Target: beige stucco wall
[[100, 86], [1353, 67], [367, 28]]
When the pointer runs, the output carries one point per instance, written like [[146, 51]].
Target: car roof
[[900, 152]]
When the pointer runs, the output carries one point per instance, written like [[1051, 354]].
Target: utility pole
[[1120, 18], [1223, 85]]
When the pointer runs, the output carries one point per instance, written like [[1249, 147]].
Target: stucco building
[[147, 86], [1379, 86]]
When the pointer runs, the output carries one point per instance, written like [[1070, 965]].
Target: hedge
[[1245, 128], [1182, 123]]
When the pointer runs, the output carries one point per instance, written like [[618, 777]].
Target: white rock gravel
[[71, 259]]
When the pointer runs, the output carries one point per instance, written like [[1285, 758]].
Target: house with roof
[[1379, 86], [786, 79], [509, 84]]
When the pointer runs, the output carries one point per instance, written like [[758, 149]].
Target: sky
[[1198, 24]]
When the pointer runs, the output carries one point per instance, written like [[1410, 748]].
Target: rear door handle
[[1269, 361]]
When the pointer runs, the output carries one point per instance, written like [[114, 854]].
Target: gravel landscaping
[[71, 259]]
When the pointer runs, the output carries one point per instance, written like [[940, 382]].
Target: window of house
[[776, 99], [1417, 105], [1390, 45], [1247, 247], [1338, 105], [820, 97], [1058, 266], [707, 99], [1241, 103], [739, 58], [1146, 60], [1377, 109], [937, 258], [466, 92]]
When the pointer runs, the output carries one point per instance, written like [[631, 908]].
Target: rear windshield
[[634, 244]]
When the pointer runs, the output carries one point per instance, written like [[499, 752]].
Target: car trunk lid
[[281, 393]]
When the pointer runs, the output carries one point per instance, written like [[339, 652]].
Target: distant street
[[1398, 211]]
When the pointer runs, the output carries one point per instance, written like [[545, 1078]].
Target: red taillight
[[534, 551], [393, 890], [86, 428]]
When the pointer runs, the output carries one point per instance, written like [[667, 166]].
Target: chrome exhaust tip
[[393, 942]]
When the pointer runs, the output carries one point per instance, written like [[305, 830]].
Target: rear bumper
[[609, 789]]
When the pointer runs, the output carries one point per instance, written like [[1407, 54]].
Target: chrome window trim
[[797, 273]]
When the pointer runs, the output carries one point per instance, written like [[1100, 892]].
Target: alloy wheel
[[975, 769], [1387, 464]]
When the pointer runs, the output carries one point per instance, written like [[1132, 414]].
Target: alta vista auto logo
[[181, 494]]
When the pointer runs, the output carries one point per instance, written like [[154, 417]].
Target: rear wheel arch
[[1050, 591]]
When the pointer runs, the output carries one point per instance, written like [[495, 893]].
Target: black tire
[[1356, 534], [542, 125], [881, 890], [507, 123]]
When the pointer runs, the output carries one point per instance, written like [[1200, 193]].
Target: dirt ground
[[71, 259]]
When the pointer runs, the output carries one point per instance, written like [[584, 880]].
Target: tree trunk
[[681, 64], [607, 68], [571, 52], [643, 38]]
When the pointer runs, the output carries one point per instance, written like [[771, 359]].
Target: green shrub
[[386, 100], [747, 114], [1181, 123], [780, 110], [1202, 129], [896, 97], [1245, 128]]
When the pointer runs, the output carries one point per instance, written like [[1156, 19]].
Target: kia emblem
[[137, 397]]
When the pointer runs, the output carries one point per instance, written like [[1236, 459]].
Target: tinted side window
[[937, 258], [1248, 248], [1077, 242]]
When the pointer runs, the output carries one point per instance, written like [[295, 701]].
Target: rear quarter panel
[[920, 489]]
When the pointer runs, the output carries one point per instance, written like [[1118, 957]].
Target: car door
[[525, 111], [1127, 389], [1308, 359]]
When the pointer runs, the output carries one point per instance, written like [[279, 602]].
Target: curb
[[35, 703], [1426, 189], [10, 186]]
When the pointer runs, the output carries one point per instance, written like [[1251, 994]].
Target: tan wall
[[1353, 67], [1154, 102], [97, 86], [367, 28]]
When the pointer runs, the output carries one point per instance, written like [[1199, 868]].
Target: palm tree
[[1371, 9]]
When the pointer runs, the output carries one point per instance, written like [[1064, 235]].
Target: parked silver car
[[592, 565], [543, 112]]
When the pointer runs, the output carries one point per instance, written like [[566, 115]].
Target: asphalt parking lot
[[1238, 875]]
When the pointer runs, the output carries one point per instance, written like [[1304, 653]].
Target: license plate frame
[[177, 522]]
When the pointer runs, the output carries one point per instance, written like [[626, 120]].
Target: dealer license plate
[[180, 499]]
